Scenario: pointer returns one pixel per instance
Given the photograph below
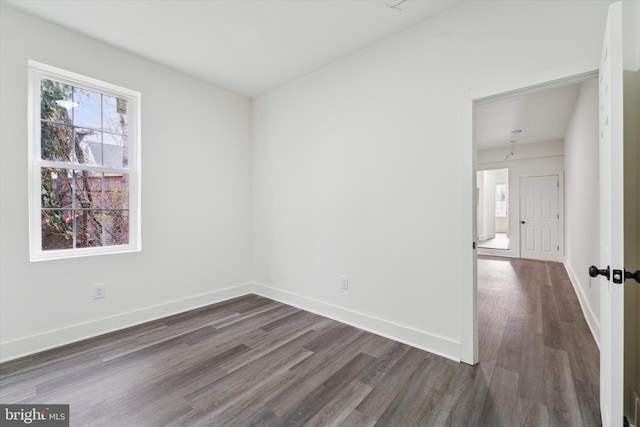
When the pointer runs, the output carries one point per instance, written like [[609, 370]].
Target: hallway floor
[[536, 350], [501, 241]]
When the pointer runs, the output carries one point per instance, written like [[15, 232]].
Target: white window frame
[[37, 72]]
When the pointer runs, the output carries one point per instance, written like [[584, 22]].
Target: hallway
[[536, 350]]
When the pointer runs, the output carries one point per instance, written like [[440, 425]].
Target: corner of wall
[[589, 315], [416, 338]]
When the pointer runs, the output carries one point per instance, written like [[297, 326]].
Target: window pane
[[501, 200], [501, 208], [56, 101], [116, 228], [56, 188], [88, 112], [114, 115], [88, 228], [115, 150], [116, 191], [88, 148], [55, 142], [57, 229], [81, 133], [88, 190]]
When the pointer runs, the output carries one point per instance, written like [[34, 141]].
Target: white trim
[[58, 337], [503, 253], [25, 346], [589, 315], [38, 71], [416, 338], [71, 78], [468, 228]]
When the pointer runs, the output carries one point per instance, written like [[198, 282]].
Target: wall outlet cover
[[344, 282], [98, 291]]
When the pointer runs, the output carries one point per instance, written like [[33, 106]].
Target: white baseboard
[[36, 343], [423, 340], [44, 341], [506, 253], [592, 321], [487, 236]]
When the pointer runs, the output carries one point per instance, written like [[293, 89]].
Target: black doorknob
[[635, 276], [521, 222], [594, 272]]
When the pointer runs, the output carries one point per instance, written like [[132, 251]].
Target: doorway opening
[[493, 209], [518, 136]]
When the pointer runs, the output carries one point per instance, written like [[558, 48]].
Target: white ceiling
[[253, 46], [541, 115], [246, 46]]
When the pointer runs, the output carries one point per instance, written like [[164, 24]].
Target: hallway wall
[[582, 211]]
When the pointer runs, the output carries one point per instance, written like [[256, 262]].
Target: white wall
[[362, 168], [195, 202], [582, 212], [359, 168], [528, 159]]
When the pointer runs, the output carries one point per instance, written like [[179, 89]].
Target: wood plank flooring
[[252, 361]]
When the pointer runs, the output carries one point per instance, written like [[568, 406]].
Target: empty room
[[266, 212]]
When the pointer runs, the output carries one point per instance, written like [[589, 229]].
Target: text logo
[[34, 415]]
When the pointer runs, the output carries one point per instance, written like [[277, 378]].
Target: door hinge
[[558, 248], [558, 216], [474, 245]]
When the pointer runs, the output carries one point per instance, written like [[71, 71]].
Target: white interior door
[[539, 217], [611, 221]]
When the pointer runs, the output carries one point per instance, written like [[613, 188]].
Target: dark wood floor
[[253, 361]]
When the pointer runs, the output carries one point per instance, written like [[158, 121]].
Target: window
[[501, 200], [84, 157]]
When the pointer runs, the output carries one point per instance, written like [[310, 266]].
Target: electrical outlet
[[344, 282], [99, 291]]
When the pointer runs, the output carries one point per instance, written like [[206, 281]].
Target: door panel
[[611, 219], [539, 222]]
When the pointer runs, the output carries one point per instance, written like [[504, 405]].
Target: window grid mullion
[[53, 122], [102, 231], [102, 213], [78, 166], [73, 208]]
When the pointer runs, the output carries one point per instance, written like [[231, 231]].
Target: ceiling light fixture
[[513, 141], [516, 131], [396, 6]]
